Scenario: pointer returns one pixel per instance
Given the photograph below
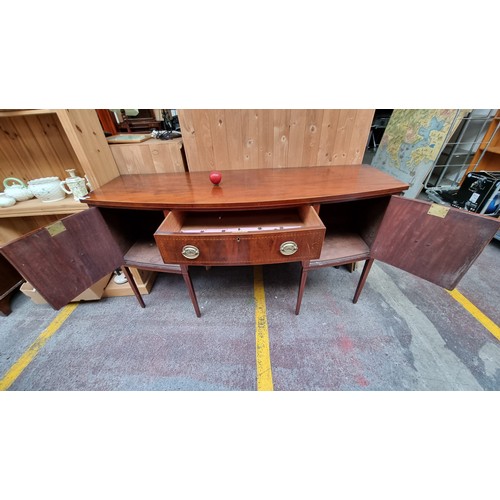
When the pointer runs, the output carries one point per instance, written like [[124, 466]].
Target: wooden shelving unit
[[487, 156], [38, 143], [34, 207], [24, 112]]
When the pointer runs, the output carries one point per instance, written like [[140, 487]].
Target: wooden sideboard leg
[[5, 305], [189, 284], [302, 285], [133, 285], [362, 279]]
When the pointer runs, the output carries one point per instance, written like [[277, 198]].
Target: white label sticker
[[474, 197]]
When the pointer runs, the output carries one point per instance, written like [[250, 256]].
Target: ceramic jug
[[76, 185], [17, 189]]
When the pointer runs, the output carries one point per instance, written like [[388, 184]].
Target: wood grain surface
[[62, 265], [246, 189], [437, 249], [273, 138]]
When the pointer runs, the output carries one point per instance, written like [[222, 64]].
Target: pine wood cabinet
[[43, 143], [153, 156]]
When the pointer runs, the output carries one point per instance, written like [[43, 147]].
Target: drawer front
[[241, 249], [249, 238]]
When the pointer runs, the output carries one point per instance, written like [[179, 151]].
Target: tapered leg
[[5, 305], [362, 279], [303, 279], [189, 284], [133, 285]]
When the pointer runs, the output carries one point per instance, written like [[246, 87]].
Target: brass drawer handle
[[190, 252], [288, 248]]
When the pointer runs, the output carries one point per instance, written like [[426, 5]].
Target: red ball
[[215, 177]]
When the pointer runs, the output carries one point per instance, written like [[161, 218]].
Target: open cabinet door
[[65, 258], [434, 242]]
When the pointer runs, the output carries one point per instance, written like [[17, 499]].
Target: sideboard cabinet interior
[[433, 242]]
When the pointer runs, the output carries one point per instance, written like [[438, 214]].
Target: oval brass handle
[[190, 252], [288, 248]]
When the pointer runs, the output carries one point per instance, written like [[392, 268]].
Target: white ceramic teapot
[[6, 201], [17, 189], [76, 185]]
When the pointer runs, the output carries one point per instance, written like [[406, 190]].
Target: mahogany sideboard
[[316, 215]]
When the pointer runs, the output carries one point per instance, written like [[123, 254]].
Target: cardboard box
[[144, 280], [93, 293]]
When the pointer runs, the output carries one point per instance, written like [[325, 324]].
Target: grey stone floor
[[404, 334]]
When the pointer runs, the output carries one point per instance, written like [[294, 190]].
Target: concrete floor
[[405, 334]]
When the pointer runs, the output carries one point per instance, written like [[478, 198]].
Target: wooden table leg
[[5, 305], [189, 284], [302, 285], [133, 285], [362, 279]]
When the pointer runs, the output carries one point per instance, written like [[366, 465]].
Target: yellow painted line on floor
[[492, 327], [263, 353], [28, 356]]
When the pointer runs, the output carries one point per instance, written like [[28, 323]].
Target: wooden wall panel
[[84, 133], [273, 138], [46, 144], [154, 156], [12, 228], [34, 146]]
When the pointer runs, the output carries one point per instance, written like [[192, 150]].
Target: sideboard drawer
[[241, 237]]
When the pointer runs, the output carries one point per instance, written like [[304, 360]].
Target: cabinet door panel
[[439, 249], [65, 258], [9, 277]]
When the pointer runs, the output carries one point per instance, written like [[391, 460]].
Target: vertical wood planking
[[87, 139], [204, 140], [327, 139], [297, 132], [342, 139], [312, 135], [281, 135], [153, 156], [236, 139], [132, 160], [265, 138], [218, 131], [359, 136], [186, 122], [167, 158], [250, 121], [12, 151], [34, 146]]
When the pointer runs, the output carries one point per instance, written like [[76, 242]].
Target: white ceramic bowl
[[47, 189]]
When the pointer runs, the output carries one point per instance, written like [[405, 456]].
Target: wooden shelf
[[491, 149], [36, 207], [340, 248], [486, 158], [4, 113]]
